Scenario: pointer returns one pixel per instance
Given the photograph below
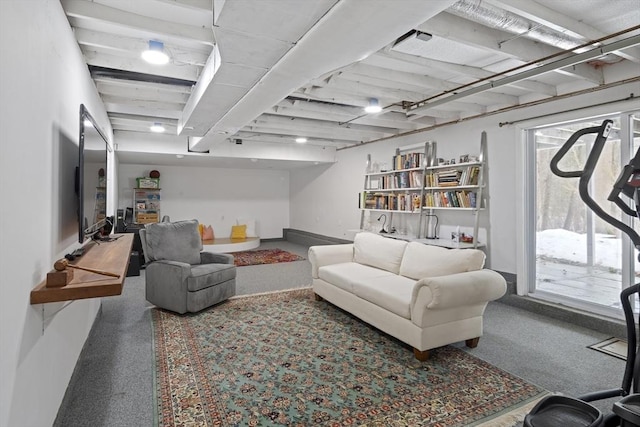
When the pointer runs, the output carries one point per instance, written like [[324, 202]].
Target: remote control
[[78, 252]]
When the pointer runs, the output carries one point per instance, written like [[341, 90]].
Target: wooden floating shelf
[[110, 256]]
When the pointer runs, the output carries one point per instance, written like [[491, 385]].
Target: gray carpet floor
[[113, 381]]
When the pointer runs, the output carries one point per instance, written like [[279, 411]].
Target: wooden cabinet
[[146, 205]]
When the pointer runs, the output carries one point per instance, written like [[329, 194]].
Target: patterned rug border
[[253, 257], [301, 290], [506, 417]]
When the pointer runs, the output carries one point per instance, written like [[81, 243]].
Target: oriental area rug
[[263, 256], [284, 359]]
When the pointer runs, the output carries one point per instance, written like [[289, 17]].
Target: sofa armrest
[[329, 254], [215, 258], [456, 290]]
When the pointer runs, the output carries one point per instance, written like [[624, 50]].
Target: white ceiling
[[267, 71]]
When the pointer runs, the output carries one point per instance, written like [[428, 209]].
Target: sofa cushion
[[204, 275], [431, 261], [174, 241], [377, 251], [393, 293], [344, 274]]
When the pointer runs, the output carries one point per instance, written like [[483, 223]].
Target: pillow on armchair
[[174, 241]]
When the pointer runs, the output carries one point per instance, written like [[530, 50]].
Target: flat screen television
[[92, 178]]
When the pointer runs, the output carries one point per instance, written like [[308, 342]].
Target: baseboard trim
[[306, 238]]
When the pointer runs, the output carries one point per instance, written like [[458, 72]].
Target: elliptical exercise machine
[[564, 411]]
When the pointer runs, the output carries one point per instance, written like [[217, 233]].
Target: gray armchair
[[179, 277]]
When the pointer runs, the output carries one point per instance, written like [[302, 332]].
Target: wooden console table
[[110, 256]]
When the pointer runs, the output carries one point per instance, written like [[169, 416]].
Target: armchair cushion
[[175, 241], [215, 258], [204, 275]]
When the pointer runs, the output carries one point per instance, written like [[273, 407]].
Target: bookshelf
[[458, 186], [417, 184], [146, 205], [400, 190]]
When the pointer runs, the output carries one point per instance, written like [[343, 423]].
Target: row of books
[[396, 202], [454, 177], [408, 161], [451, 199], [406, 179]]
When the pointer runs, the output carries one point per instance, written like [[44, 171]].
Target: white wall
[[324, 200], [217, 196], [43, 81]]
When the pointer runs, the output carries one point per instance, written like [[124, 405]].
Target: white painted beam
[[398, 121], [138, 65], [456, 28], [142, 94], [562, 63], [304, 123], [143, 110], [344, 134], [83, 9], [133, 47], [108, 82], [331, 43]]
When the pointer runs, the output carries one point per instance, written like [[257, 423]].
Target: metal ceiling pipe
[[495, 17]]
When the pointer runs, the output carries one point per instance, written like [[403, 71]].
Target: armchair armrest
[[329, 254], [215, 258], [456, 290]]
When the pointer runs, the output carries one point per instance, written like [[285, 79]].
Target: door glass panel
[[578, 255]]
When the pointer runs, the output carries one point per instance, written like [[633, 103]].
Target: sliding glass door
[[579, 259]]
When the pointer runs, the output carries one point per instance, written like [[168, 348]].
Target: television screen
[[65, 230], [92, 177]]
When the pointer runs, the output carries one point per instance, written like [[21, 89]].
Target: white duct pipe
[[492, 16]]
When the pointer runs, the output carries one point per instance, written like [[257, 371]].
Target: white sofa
[[425, 296]]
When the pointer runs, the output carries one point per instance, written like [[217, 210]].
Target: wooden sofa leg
[[421, 355], [473, 342], [317, 297]]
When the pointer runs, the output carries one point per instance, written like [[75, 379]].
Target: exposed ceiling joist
[[561, 63], [272, 70], [456, 28], [91, 11]]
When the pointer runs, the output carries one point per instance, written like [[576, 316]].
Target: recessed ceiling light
[[301, 140], [155, 54], [373, 107], [157, 128], [180, 156]]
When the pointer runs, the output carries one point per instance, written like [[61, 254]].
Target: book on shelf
[[408, 161], [450, 199]]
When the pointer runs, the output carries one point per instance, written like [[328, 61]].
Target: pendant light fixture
[[373, 107], [155, 54]]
